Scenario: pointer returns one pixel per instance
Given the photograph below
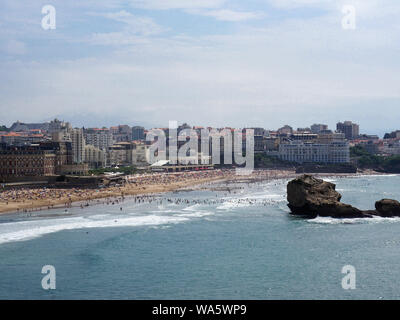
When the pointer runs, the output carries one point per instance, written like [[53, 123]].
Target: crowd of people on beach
[[165, 178], [35, 198]]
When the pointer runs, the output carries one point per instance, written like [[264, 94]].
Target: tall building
[[137, 133], [120, 154], [140, 154], [63, 152], [59, 131], [121, 133], [78, 146], [57, 126], [351, 130], [100, 138], [95, 157], [317, 127], [392, 135], [286, 129]]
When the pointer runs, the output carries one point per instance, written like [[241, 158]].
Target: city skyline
[[333, 127], [216, 62]]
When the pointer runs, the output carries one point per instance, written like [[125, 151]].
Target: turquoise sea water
[[241, 244]]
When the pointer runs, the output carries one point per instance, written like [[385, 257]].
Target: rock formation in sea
[[309, 196], [388, 208]]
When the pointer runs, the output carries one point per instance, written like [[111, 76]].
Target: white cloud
[[229, 15], [135, 30], [176, 4], [299, 3], [293, 71], [297, 69], [136, 24], [366, 9], [14, 47]]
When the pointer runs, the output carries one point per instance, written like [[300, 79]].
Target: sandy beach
[[28, 199]]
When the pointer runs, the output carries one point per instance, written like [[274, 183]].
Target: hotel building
[[301, 152], [26, 161]]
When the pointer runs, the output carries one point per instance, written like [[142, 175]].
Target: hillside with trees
[[364, 160]]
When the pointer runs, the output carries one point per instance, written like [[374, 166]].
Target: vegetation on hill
[[3, 128], [358, 151], [365, 160], [359, 157], [262, 160]]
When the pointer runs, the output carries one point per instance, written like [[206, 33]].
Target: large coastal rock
[[388, 208], [315, 197]]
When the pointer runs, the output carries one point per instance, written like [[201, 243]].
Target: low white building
[[300, 152]]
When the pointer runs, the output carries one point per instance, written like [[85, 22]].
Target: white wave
[[163, 211], [252, 199], [330, 180], [377, 175], [192, 208], [20, 231], [198, 214], [232, 204], [257, 196], [265, 196], [98, 216], [375, 219]]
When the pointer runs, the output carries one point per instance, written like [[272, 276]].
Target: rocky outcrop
[[388, 208], [315, 197]]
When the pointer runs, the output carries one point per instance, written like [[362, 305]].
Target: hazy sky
[[206, 62]]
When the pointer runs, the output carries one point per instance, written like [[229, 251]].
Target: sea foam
[[20, 231]]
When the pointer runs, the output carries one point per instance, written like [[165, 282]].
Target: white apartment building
[[300, 152], [100, 138]]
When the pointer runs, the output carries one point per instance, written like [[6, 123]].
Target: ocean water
[[211, 244]]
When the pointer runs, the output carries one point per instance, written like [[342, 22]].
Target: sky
[[253, 63]]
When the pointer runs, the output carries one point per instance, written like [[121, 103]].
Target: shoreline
[[27, 200]]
